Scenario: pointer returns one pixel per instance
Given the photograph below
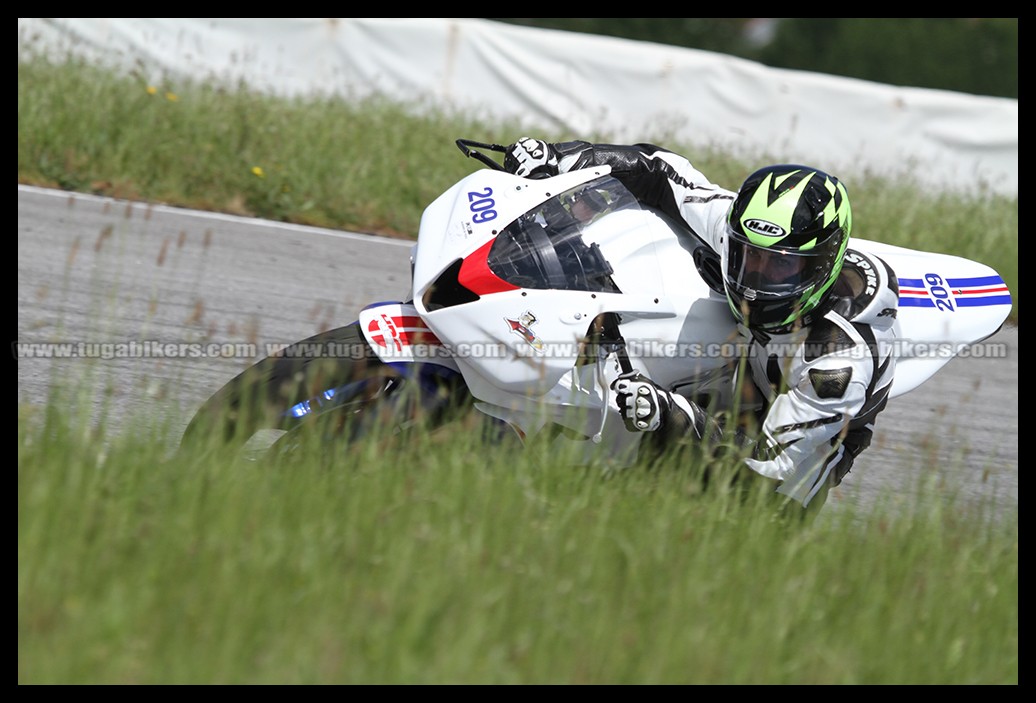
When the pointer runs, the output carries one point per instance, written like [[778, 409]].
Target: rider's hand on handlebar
[[644, 406], [647, 407], [531, 158]]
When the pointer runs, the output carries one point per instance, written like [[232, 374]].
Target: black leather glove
[[644, 406], [531, 158], [647, 407]]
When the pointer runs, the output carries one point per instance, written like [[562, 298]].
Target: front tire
[[332, 381]]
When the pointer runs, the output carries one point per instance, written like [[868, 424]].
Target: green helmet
[[787, 232]]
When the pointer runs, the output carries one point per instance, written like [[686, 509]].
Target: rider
[[816, 317]]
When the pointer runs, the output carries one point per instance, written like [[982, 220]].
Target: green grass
[[449, 560]]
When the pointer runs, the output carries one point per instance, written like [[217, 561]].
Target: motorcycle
[[529, 297]]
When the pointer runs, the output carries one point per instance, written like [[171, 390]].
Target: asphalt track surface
[[101, 271]]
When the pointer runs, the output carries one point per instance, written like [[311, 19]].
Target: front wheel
[[332, 381]]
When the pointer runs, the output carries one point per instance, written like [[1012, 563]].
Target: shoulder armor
[[825, 337], [830, 383], [867, 290]]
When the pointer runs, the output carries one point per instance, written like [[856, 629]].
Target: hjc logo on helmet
[[764, 228]]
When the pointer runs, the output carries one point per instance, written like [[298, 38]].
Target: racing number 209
[[940, 295], [482, 205]]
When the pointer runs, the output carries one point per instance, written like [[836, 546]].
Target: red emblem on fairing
[[400, 331], [521, 327]]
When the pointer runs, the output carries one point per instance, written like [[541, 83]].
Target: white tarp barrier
[[578, 86]]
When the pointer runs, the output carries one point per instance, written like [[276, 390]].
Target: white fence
[[579, 85]]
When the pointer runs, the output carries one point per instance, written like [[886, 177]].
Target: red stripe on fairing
[[956, 291], [424, 336], [475, 275], [970, 291], [407, 339], [405, 330], [408, 321]]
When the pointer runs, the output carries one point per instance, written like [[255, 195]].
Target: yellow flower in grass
[[258, 171], [151, 90], [171, 97]]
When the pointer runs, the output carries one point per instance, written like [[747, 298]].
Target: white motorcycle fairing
[[510, 273], [518, 330]]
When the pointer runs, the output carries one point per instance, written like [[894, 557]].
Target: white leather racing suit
[[821, 386]]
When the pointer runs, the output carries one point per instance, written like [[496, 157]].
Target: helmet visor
[[774, 282], [773, 272]]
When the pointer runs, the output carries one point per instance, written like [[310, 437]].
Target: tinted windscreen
[[545, 247]]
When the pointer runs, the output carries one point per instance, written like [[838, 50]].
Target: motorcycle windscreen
[[552, 247]]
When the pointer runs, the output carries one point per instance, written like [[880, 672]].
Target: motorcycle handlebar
[[470, 149]]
